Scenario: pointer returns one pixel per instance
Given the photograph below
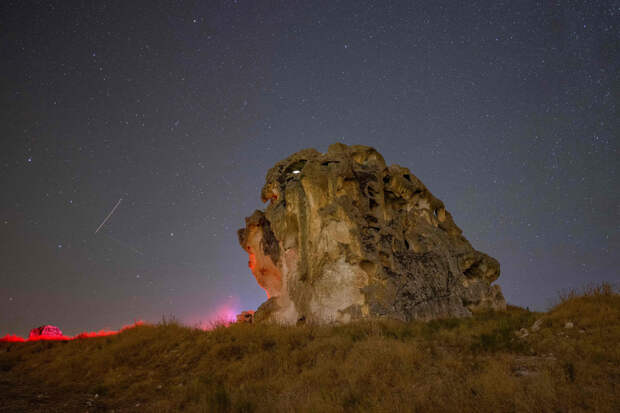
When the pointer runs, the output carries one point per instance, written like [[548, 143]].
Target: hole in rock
[[473, 271], [296, 166], [367, 266]]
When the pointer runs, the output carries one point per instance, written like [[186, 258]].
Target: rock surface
[[245, 317], [45, 331], [346, 237]]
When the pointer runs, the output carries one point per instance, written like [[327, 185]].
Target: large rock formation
[[346, 237]]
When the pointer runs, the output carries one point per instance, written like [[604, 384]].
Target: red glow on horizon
[[11, 338], [224, 314]]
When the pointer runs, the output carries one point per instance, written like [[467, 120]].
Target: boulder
[[245, 317], [346, 237], [45, 331]]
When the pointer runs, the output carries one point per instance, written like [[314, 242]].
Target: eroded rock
[[346, 237], [45, 331], [245, 317]]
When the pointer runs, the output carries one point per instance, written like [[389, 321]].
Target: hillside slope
[[569, 362]]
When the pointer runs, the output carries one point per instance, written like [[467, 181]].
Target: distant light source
[[296, 171]]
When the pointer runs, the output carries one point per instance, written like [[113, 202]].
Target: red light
[[252, 261], [11, 338]]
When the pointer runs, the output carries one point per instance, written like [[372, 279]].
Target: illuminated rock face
[[46, 331], [346, 237]]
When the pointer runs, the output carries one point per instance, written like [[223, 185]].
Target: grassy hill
[[569, 362]]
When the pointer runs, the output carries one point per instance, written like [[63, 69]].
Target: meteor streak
[[109, 215]]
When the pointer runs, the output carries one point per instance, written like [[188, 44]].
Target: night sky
[[506, 110]]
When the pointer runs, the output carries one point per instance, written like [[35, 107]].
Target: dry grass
[[466, 365]]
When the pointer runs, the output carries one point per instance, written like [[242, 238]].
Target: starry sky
[[506, 110]]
